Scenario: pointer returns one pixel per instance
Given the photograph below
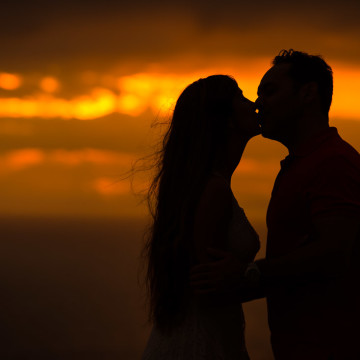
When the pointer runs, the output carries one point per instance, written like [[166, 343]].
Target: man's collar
[[311, 145]]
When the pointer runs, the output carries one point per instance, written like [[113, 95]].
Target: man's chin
[[264, 133], [267, 134]]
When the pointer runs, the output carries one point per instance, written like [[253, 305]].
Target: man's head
[[298, 85]]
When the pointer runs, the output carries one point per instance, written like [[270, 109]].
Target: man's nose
[[258, 103]]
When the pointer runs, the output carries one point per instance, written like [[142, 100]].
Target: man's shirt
[[320, 179]]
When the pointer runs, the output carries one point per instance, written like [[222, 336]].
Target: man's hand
[[224, 275]]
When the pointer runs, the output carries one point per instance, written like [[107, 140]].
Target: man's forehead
[[276, 73]]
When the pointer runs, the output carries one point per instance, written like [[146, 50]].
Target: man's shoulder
[[344, 148], [338, 155]]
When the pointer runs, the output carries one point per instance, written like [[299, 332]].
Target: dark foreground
[[69, 290]]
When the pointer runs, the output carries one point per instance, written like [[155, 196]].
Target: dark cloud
[[21, 17], [101, 34]]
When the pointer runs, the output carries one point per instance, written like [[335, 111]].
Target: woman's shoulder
[[212, 217], [216, 196]]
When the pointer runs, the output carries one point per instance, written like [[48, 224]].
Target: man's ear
[[310, 92]]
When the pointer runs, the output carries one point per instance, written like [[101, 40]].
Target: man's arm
[[224, 276], [331, 252]]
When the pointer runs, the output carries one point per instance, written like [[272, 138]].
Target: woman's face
[[245, 119]]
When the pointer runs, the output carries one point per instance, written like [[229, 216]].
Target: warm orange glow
[[131, 104], [89, 78], [49, 84], [20, 159], [23, 158], [253, 166], [108, 186], [9, 81], [158, 91], [102, 102], [346, 92], [14, 107], [76, 157], [99, 103]]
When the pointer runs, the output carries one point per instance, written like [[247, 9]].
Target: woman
[[193, 208]]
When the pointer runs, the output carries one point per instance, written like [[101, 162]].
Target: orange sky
[[81, 84]]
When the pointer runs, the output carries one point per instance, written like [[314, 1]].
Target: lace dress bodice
[[211, 332]]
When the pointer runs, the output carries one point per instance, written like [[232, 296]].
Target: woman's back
[[193, 209], [210, 330]]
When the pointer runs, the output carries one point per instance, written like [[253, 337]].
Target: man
[[310, 275]]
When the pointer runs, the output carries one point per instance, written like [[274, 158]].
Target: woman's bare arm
[[211, 222], [212, 217]]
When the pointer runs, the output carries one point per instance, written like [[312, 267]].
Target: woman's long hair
[[197, 134]]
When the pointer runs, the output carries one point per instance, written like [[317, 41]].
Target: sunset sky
[[82, 82]]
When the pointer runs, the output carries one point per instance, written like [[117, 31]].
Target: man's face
[[278, 103]]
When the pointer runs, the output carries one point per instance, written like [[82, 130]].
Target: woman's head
[[207, 115]]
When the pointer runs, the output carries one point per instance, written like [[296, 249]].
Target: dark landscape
[[70, 290]]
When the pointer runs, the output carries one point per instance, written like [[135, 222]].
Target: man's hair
[[307, 68]]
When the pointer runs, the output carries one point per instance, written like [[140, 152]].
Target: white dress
[[210, 333]]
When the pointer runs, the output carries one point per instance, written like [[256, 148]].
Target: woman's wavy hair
[[197, 134]]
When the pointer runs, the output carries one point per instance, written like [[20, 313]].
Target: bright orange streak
[[158, 91], [9, 81], [101, 102]]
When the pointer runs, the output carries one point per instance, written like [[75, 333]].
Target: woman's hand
[[223, 275]]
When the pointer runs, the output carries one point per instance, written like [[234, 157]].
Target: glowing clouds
[[49, 84], [157, 92], [9, 81], [100, 102], [32, 107], [109, 186], [14, 107], [138, 93], [94, 156], [131, 104], [21, 159]]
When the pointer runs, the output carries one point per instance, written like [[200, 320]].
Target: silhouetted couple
[[201, 248]]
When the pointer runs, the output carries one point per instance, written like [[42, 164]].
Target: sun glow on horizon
[[100, 102], [155, 91], [134, 95]]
